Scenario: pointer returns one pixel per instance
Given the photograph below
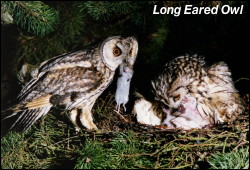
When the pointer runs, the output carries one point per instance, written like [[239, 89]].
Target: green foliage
[[97, 155], [12, 151], [34, 49], [33, 16], [237, 159], [53, 143], [91, 156], [104, 10], [34, 150], [121, 147], [157, 42]]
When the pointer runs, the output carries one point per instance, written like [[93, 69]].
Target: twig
[[121, 116], [242, 143], [32, 12], [64, 140], [157, 161], [137, 154], [150, 154], [198, 145], [243, 78], [173, 157]]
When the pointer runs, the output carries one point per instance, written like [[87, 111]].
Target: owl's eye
[[117, 51], [177, 97]]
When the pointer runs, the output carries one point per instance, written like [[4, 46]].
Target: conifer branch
[[33, 16]]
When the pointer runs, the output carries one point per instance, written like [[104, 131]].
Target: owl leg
[[73, 118], [86, 117]]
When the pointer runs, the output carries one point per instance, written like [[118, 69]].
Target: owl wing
[[220, 74], [224, 96], [63, 85], [64, 61]]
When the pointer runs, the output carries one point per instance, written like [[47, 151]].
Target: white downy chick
[[190, 118]]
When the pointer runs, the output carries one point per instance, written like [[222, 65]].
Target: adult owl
[[194, 95], [74, 79]]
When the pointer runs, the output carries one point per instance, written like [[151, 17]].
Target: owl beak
[[181, 109], [125, 61]]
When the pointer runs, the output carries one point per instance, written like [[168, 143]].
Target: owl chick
[[187, 116], [193, 95], [211, 87], [123, 86], [74, 79], [147, 112], [152, 113]]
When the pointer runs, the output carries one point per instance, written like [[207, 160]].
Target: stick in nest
[[121, 116]]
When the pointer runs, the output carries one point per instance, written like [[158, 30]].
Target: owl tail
[[20, 117]]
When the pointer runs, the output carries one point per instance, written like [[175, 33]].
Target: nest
[[190, 147], [122, 140]]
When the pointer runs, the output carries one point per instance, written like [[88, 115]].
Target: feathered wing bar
[[20, 117]]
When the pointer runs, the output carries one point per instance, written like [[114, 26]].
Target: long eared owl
[[74, 79], [194, 95]]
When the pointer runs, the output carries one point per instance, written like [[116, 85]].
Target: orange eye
[[177, 97], [117, 51]]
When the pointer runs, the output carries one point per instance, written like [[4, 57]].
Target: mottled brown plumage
[[75, 80], [194, 95], [212, 87]]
